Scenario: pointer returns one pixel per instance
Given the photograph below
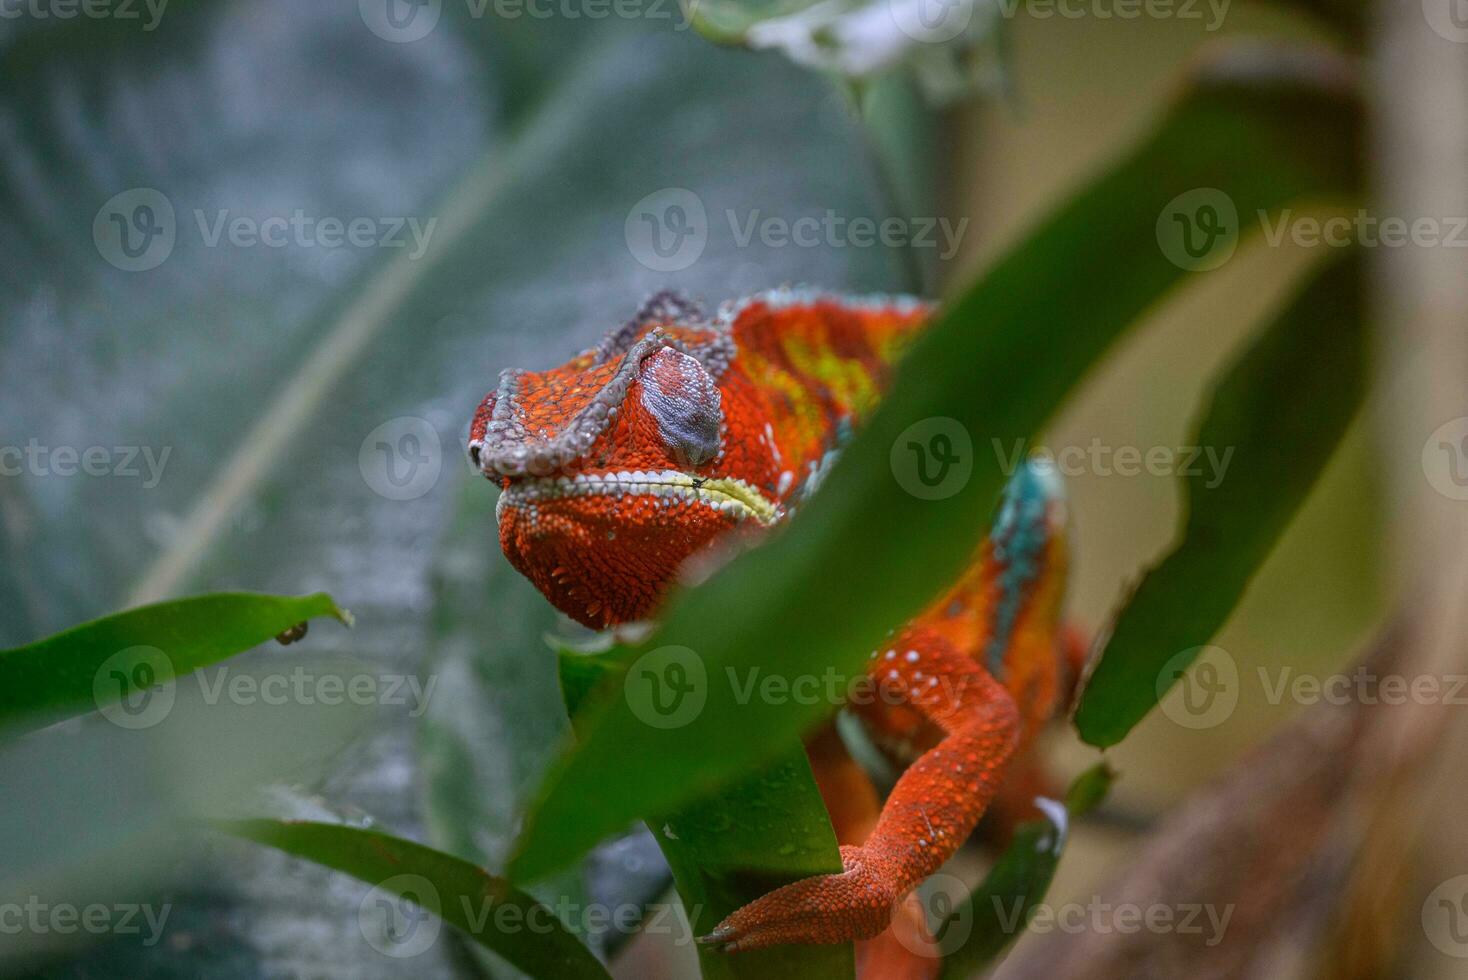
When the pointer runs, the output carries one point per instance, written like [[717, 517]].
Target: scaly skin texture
[[680, 431]]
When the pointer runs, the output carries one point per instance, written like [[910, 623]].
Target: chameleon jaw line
[[724, 494]]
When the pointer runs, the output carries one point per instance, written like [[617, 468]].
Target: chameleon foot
[[855, 904]]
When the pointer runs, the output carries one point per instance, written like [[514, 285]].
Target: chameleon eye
[[682, 396]]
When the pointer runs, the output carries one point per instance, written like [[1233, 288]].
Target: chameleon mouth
[[726, 495]]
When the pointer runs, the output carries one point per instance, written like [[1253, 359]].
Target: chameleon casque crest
[[680, 430]]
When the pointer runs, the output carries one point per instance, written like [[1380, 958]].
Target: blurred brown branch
[[1262, 847]]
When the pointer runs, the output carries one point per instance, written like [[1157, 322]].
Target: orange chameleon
[[679, 430]]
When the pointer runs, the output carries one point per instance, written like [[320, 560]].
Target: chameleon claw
[[717, 938]]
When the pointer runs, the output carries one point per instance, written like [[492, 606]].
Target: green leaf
[[95, 664], [994, 914], [743, 842], [728, 849], [1280, 410], [865, 555], [487, 909]]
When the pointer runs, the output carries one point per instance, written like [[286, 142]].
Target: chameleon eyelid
[[685, 401]]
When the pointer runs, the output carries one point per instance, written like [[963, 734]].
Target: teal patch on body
[[1021, 533]]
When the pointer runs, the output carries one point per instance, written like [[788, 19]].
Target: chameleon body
[[681, 430]]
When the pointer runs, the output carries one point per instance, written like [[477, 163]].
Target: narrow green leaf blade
[[866, 554], [996, 912], [486, 908], [1281, 410], [91, 665]]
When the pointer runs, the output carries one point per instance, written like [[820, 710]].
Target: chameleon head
[[616, 467]]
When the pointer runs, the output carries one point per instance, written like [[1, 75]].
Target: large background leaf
[[531, 141]]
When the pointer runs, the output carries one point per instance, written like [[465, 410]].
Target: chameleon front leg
[[900, 952], [931, 810]]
